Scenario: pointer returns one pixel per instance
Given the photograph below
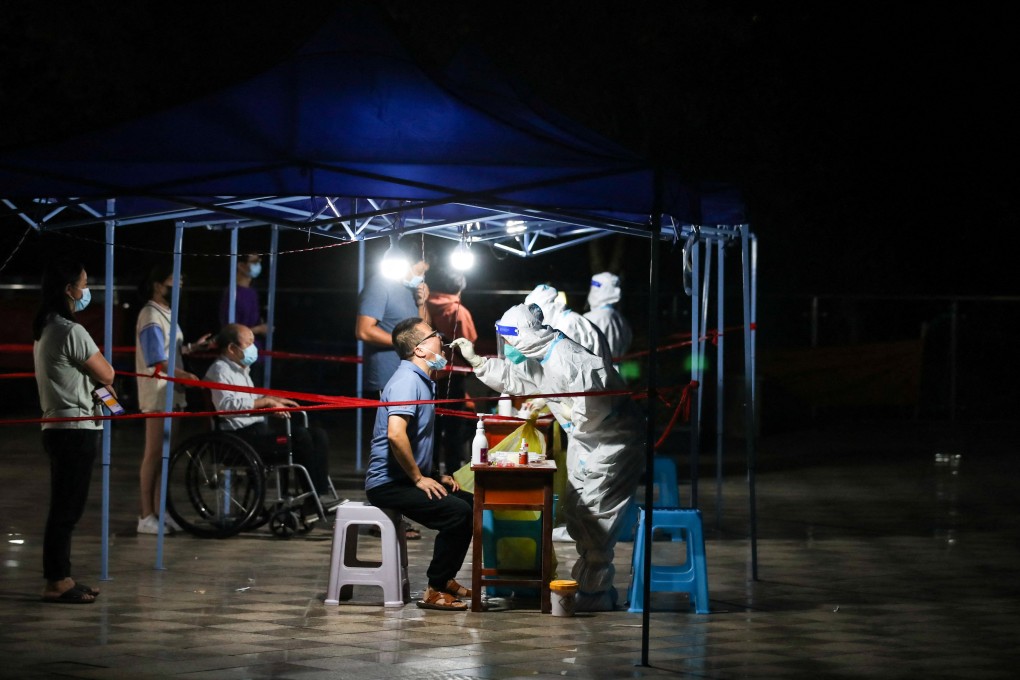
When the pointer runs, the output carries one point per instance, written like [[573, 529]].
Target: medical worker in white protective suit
[[579, 329], [602, 299], [605, 454]]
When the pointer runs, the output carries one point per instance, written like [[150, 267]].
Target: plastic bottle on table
[[480, 445], [505, 407], [522, 455]]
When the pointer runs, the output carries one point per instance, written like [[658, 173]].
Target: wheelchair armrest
[[304, 420]]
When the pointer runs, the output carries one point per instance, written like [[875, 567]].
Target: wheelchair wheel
[[215, 485], [285, 523]]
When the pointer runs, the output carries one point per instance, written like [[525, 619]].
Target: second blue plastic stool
[[689, 577], [664, 480]]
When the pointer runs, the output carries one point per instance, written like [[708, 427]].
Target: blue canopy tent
[[354, 140]]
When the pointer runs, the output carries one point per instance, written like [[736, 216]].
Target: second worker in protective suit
[[605, 455]]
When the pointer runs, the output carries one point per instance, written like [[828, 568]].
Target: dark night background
[[873, 141]]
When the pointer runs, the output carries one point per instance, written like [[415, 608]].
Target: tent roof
[[351, 115]]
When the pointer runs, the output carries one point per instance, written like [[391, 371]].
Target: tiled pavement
[[873, 562]]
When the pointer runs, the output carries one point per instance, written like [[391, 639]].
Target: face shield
[[502, 332], [605, 290]]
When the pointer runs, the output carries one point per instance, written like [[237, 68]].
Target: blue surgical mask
[[437, 364], [513, 354], [414, 282], [254, 269], [251, 354], [86, 298]]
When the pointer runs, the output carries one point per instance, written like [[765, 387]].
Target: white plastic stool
[[347, 571]]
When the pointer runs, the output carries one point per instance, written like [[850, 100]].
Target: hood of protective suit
[[547, 298], [605, 290], [532, 337]]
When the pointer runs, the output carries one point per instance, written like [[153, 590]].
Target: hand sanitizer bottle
[[480, 445]]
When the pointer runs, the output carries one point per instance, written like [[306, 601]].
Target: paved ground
[[874, 561]]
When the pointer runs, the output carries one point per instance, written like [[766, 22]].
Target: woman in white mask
[[68, 366]]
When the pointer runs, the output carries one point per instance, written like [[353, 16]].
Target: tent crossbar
[[28, 220], [568, 244], [345, 225]]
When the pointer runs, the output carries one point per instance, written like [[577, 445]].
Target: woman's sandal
[[435, 599], [88, 590], [70, 596]]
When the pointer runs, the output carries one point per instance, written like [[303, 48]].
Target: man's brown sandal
[[434, 599], [456, 589]]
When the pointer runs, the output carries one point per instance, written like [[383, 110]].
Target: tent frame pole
[[749, 395], [104, 568], [274, 247], [720, 439], [652, 384], [695, 354], [171, 365]]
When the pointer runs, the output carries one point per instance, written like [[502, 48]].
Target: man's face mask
[[437, 364], [251, 354], [414, 282], [254, 269], [513, 354]]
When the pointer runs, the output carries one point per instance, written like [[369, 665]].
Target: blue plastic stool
[[496, 528], [690, 577], [664, 481]]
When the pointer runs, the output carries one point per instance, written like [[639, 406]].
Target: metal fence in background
[[969, 366]]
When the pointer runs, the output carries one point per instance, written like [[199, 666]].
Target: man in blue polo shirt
[[381, 305], [400, 465]]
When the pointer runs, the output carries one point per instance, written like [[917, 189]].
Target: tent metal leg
[[232, 282], [695, 353], [104, 569], [720, 439], [171, 364], [274, 248], [749, 396], [652, 372], [360, 379]]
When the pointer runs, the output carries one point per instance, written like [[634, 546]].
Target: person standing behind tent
[[453, 320], [152, 351], [383, 303], [556, 314], [602, 299], [247, 309], [68, 366]]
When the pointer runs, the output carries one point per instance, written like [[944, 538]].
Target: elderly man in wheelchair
[[219, 482]]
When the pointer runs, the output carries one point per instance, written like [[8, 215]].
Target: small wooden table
[[525, 487]]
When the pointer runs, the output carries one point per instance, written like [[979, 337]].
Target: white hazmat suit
[[579, 329], [605, 454], [602, 299]]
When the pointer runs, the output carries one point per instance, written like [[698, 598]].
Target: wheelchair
[[218, 486]]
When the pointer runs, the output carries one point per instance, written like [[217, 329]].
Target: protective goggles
[[596, 283]]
